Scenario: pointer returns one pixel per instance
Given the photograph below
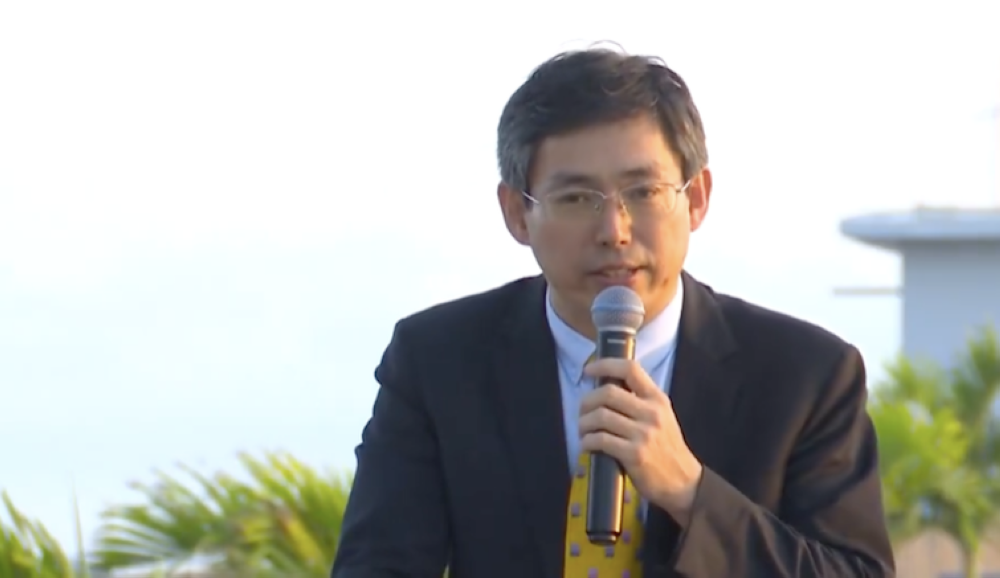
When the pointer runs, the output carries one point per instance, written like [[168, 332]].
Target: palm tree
[[305, 511], [920, 454], [284, 520], [27, 550], [940, 438]]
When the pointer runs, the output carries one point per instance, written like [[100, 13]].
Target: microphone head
[[617, 308]]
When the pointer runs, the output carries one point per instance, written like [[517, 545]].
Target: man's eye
[[572, 198], [642, 193]]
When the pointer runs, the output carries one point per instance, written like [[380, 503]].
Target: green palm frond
[[305, 506], [174, 523], [917, 455], [27, 550], [284, 518], [975, 383], [939, 443], [83, 565], [914, 382]]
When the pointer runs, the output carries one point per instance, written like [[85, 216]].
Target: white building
[[950, 273]]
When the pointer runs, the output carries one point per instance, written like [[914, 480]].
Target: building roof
[[924, 224]]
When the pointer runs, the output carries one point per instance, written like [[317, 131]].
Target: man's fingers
[[629, 371]]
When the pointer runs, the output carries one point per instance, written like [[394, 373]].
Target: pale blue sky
[[212, 213]]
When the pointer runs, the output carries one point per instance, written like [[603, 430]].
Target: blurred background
[[212, 214]]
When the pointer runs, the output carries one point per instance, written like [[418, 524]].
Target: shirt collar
[[654, 342]]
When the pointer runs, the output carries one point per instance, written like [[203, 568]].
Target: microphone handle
[[606, 490]]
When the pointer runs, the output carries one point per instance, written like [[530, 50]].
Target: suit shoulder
[[764, 330], [792, 359], [465, 319]]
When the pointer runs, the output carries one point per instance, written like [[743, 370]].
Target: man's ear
[[699, 194], [514, 209]]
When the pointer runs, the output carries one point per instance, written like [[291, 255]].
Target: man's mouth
[[621, 272], [617, 274]]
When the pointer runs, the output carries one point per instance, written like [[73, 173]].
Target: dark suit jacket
[[464, 460]]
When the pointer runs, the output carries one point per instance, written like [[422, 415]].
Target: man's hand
[[640, 430]]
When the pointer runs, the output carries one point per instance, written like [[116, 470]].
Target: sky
[[212, 213]]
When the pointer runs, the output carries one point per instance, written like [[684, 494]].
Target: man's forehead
[[602, 154]]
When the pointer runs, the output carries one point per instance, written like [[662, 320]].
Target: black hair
[[582, 88]]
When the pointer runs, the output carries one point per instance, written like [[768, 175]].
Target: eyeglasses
[[641, 200]]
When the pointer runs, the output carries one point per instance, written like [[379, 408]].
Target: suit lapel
[[527, 394], [704, 390]]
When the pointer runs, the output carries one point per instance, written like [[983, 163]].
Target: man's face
[[583, 249]]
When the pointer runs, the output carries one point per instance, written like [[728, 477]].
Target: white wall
[[949, 290]]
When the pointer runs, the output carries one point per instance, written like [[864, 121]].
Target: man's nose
[[615, 223]]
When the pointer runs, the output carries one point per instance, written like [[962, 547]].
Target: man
[[743, 431]]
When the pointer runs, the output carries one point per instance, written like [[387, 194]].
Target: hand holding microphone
[[628, 424]]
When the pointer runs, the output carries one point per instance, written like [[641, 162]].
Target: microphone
[[617, 313]]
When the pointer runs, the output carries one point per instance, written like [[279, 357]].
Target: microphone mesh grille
[[617, 307]]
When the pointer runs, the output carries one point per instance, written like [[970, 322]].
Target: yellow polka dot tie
[[586, 560]]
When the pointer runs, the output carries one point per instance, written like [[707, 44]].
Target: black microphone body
[[606, 491]]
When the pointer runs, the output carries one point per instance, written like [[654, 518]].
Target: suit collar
[[526, 392], [705, 383], [703, 324], [704, 394]]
